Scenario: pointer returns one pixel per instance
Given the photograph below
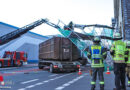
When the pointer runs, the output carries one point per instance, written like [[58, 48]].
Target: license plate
[[67, 66]]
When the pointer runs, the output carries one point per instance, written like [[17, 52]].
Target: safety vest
[[128, 62], [119, 48], [96, 56]]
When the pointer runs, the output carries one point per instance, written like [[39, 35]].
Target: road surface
[[31, 78]]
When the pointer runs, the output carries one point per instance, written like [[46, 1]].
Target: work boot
[[101, 87], [92, 87], [123, 88], [114, 89]]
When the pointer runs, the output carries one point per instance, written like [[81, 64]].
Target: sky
[[22, 12]]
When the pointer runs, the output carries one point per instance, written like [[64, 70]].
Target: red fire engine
[[15, 58]]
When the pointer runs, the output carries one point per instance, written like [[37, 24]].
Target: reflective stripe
[[128, 82], [102, 82], [119, 61], [88, 53], [93, 82], [104, 53], [97, 56], [128, 57], [97, 65]]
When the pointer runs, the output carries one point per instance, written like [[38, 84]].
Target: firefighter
[[118, 54], [128, 62], [97, 54]]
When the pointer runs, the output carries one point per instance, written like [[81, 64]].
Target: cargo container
[[60, 54]]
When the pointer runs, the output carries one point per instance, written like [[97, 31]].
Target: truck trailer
[[60, 54]]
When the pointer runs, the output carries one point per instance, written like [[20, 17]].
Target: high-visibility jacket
[[118, 48], [97, 54], [128, 62]]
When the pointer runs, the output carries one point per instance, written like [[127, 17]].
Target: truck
[[13, 58], [60, 54]]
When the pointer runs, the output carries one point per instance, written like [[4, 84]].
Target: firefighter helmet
[[128, 43], [96, 39], [117, 35]]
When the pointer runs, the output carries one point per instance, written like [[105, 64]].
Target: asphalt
[[31, 78]]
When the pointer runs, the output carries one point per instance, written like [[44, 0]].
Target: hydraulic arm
[[17, 33]]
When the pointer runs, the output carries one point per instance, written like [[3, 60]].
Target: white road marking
[[21, 89], [29, 81], [53, 75], [39, 83], [46, 81], [30, 86], [59, 88], [43, 82], [52, 79], [69, 83]]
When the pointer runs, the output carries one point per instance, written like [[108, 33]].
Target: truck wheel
[[21, 63], [0, 65], [39, 66], [51, 68]]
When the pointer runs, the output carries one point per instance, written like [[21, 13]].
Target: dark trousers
[[128, 72], [119, 71], [100, 75], [128, 77]]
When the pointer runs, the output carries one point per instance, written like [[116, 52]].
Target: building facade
[[121, 20]]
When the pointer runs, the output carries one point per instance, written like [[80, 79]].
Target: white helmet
[[96, 39], [117, 35], [128, 43]]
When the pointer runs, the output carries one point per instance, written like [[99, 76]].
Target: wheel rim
[[0, 65]]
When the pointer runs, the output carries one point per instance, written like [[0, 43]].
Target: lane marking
[[53, 75], [70, 82], [22, 89], [43, 82], [39, 83], [29, 81], [30, 86]]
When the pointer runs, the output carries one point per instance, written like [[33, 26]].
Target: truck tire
[[21, 63], [0, 65], [39, 66], [51, 68]]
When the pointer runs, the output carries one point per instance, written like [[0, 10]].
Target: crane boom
[[18, 32], [95, 25]]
